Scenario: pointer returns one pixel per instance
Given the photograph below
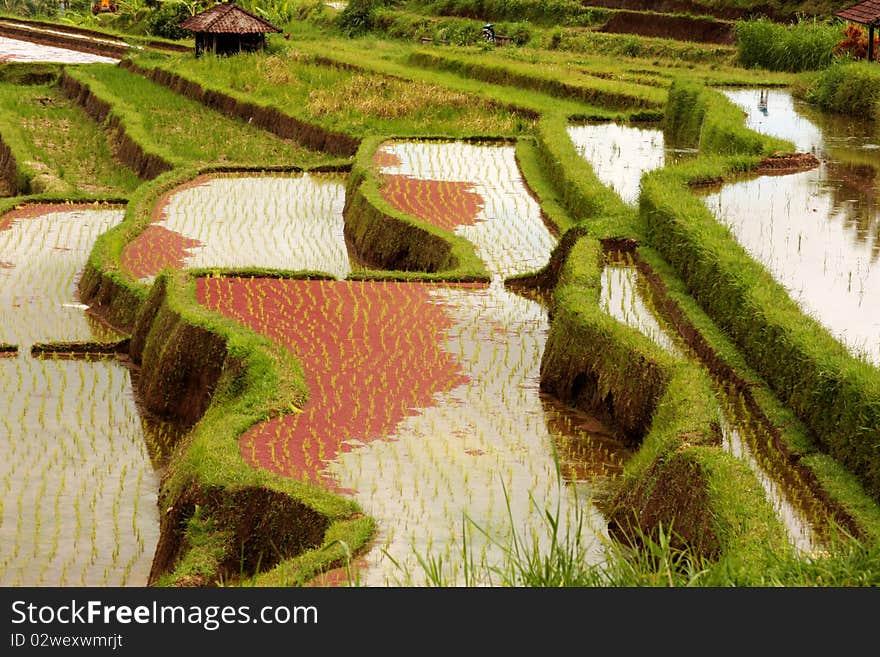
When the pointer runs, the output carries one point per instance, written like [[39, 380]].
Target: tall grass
[[851, 88], [183, 130], [655, 562], [807, 45]]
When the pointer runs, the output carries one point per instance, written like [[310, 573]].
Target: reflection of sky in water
[[25, 51], [76, 481], [455, 459], [511, 237], [279, 222], [77, 487], [620, 298], [620, 154], [811, 231], [43, 257]]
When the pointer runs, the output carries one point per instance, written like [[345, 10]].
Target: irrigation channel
[[628, 297], [445, 438], [79, 488], [817, 232]]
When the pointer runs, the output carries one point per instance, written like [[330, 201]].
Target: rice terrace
[[429, 293]]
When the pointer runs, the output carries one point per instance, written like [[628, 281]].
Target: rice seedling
[[67, 436], [48, 246]]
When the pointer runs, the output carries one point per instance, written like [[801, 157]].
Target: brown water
[[78, 498], [817, 232], [626, 296]]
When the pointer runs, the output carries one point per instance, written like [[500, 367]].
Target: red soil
[[155, 249], [447, 204], [383, 158], [34, 210], [371, 352]]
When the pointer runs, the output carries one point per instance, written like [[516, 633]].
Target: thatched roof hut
[[226, 29]]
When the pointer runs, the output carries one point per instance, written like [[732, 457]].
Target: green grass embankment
[[590, 90], [322, 87], [847, 88], [388, 239], [225, 521], [835, 394], [679, 480]]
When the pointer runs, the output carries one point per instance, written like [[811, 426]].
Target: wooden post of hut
[[227, 29], [864, 13]]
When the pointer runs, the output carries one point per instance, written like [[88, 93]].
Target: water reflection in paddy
[[291, 222], [626, 296], [17, 50], [817, 232], [77, 486]]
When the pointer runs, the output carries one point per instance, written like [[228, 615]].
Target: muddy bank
[[267, 118], [130, 153], [680, 28]]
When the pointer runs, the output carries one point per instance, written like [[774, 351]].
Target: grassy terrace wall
[[579, 192], [268, 118], [592, 91], [835, 394], [124, 130], [680, 480], [222, 519], [386, 238]]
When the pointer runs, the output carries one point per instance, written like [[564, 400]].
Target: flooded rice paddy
[[507, 230], [818, 231], [78, 499], [291, 222], [620, 154], [479, 456], [626, 296], [17, 50]]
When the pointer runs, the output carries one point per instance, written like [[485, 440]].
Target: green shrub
[[358, 17], [807, 45]]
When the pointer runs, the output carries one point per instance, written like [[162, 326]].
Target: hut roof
[[865, 13], [227, 18]]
